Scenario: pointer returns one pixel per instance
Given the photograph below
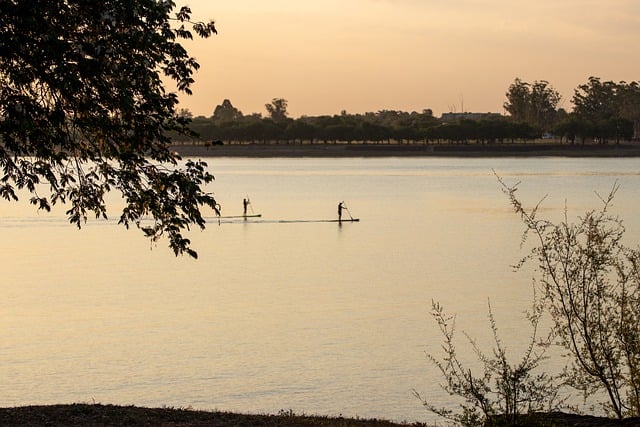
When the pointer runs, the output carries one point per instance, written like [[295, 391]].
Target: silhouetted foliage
[[83, 111], [533, 103], [600, 114], [610, 110], [226, 112], [277, 109], [603, 111]]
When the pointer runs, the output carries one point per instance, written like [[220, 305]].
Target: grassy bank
[[76, 415]]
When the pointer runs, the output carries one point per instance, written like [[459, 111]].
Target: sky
[[329, 56]]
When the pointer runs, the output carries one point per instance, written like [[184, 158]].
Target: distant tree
[[374, 132], [339, 132], [534, 103], [185, 113], [226, 112], [269, 130], [390, 117], [595, 101], [572, 127], [300, 130], [405, 133], [544, 103], [517, 104], [277, 109], [84, 111], [630, 105], [612, 110]]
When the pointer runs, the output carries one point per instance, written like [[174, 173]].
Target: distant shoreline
[[341, 150]]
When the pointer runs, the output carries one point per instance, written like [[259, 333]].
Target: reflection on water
[[309, 316]]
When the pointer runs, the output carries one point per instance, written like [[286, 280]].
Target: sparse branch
[[585, 286], [502, 389]]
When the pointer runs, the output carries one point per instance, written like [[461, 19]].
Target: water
[[315, 317]]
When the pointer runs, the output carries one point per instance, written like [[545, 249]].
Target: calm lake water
[[315, 317]]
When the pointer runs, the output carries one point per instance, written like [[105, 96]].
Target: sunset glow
[[410, 55]]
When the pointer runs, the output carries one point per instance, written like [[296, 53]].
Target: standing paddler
[[245, 203], [340, 207]]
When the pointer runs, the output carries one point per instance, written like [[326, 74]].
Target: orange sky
[[368, 55]]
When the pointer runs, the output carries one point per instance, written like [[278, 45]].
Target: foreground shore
[[532, 149], [76, 415]]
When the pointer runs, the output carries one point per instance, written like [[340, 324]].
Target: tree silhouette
[[226, 112], [277, 109], [84, 111], [534, 103], [611, 110]]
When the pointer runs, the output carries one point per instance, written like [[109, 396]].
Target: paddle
[[250, 204], [347, 209]]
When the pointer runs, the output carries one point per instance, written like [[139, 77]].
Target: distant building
[[452, 117]]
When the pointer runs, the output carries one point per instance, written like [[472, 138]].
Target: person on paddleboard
[[245, 203], [340, 207]]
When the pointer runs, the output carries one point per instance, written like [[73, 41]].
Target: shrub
[[502, 392], [589, 283]]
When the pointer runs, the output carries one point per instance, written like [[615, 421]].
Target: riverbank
[[533, 149], [76, 415]]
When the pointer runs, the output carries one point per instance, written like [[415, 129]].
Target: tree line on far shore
[[604, 112]]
